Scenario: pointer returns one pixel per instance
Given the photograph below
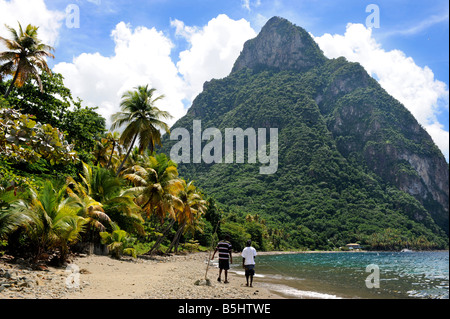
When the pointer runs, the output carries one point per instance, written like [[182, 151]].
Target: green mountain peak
[[280, 46], [353, 162]]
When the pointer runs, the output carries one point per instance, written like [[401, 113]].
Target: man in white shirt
[[248, 261]]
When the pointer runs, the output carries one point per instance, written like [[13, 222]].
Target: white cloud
[[440, 137], [142, 56], [33, 12], [398, 74], [247, 4], [97, 2], [213, 50], [183, 30]]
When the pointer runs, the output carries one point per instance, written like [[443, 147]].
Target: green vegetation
[[52, 201], [142, 119], [66, 184], [330, 188], [26, 54], [119, 242]]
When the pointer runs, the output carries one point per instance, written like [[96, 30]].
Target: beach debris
[[203, 282]]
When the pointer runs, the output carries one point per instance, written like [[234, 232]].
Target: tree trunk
[[12, 84], [176, 239], [160, 239], [110, 157], [179, 237], [126, 156]]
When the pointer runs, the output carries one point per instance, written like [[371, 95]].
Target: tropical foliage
[[67, 184], [59, 187], [49, 218], [119, 242], [22, 139], [25, 56], [142, 119]]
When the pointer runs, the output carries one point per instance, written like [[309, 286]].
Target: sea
[[350, 275]]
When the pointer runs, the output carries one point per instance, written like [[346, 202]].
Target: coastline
[[102, 277], [157, 277]]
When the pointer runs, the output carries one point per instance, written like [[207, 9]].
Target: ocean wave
[[267, 276], [297, 293], [242, 273]]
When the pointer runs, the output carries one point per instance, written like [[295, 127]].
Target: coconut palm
[[50, 218], [10, 220], [106, 149], [119, 242], [24, 57], [114, 139], [101, 191], [156, 185], [142, 119], [136, 159], [101, 151], [193, 207], [88, 208]]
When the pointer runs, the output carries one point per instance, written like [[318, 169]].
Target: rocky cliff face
[[280, 46], [284, 46], [385, 136]]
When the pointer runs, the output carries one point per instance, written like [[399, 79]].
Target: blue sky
[[184, 43]]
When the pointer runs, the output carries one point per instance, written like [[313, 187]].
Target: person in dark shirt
[[225, 257]]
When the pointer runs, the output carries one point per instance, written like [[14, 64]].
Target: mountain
[[353, 163]]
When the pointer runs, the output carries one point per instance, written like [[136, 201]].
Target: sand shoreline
[[158, 277], [102, 277]]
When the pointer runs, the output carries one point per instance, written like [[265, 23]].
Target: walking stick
[[209, 254]]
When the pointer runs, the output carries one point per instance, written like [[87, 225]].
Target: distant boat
[[405, 250]]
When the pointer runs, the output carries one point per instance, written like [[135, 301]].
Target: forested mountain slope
[[353, 163]]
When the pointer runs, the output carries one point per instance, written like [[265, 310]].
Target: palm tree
[[135, 158], [101, 151], [157, 184], [114, 139], [119, 242], [142, 119], [193, 207], [98, 193], [50, 218], [88, 208], [10, 219], [25, 56], [10, 193]]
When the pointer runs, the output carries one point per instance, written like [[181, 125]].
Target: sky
[[104, 48]]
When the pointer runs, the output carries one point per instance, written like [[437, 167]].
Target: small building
[[353, 246]]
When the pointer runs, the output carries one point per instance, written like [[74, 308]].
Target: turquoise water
[[344, 275]]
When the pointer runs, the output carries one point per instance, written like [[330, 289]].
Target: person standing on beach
[[225, 257], [248, 262]]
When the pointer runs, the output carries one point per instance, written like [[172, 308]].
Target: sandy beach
[[102, 277]]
